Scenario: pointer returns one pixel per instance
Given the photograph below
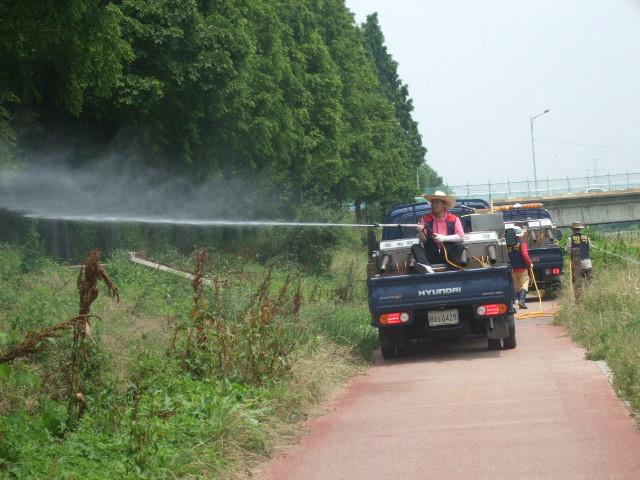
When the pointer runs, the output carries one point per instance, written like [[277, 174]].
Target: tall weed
[[251, 344]]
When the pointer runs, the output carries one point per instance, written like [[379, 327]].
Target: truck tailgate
[[546, 257], [440, 289]]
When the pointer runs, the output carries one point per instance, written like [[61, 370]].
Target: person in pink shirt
[[439, 230]]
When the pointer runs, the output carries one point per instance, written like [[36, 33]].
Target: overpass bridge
[[591, 208], [592, 199]]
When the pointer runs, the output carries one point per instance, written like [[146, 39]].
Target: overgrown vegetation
[[179, 382], [606, 320]]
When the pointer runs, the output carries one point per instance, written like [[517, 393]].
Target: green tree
[[291, 94], [398, 93], [368, 146], [7, 139], [56, 55], [392, 86], [428, 178], [173, 95]]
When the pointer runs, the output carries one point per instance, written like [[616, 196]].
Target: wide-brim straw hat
[[577, 225], [449, 200]]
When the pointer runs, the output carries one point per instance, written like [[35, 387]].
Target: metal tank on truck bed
[[451, 302]]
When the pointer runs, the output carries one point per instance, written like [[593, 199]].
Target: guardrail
[[546, 187]]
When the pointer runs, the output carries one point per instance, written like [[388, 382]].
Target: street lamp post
[[533, 148]]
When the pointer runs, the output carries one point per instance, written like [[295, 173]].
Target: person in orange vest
[[579, 240], [521, 263], [439, 230]]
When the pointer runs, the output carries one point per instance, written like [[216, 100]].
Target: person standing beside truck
[[521, 263], [441, 235], [579, 240]]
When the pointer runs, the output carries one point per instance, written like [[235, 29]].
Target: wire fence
[[625, 237], [622, 257], [621, 245], [546, 187]]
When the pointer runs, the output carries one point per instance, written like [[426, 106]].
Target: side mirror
[[558, 233], [510, 237]]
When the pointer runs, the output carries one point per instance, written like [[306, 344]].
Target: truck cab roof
[[413, 213], [524, 214], [477, 203]]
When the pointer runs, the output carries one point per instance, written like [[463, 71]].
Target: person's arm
[[421, 232], [525, 254], [457, 237]]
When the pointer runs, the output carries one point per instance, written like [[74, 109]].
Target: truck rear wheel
[[393, 343], [510, 342], [389, 352]]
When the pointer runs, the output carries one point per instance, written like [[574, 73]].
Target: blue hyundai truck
[[450, 303]]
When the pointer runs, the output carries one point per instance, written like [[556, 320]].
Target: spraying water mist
[[102, 193], [192, 222]]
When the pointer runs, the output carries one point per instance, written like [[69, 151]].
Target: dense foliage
[[398, 94], [291, 90]]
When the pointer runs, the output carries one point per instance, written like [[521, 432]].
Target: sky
[[478, 70]]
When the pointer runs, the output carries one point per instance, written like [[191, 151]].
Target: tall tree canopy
[[288, 91], [398, 93]]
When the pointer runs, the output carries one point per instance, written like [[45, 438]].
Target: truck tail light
[[394, 318], [556, 271], [491, 309]]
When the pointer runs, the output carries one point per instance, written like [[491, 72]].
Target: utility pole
[[533, 148]]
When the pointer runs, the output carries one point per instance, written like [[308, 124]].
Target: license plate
[[439, 318]]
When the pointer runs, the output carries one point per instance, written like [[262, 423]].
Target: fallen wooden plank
[[78, 267], [164, 268]]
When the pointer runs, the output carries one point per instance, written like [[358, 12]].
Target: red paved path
[[458, 411]]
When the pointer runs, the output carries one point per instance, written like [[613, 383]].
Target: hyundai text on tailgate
[[452, 302]]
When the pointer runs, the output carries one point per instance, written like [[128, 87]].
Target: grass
[[627, 237], [148, 416], [606, 322]]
